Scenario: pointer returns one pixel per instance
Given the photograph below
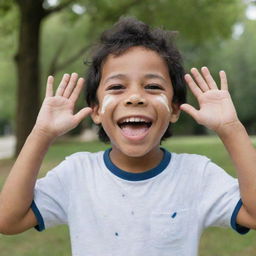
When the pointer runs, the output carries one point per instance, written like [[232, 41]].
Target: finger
[[193, 86], [49, 87], [71, 85], [199, 79], [76, 92], [208, 78], [62, 85], [83, 113], [223, 80], [190, 110]]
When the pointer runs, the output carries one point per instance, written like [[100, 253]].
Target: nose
[[135, 99]]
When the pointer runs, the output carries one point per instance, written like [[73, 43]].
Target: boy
[[135, 198]]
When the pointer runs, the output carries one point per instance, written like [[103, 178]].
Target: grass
[[55, 241]]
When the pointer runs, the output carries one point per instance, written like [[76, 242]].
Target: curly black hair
[[126, 33]]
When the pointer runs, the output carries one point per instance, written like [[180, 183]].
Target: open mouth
[[134, 126]]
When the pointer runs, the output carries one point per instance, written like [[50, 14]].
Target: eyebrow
[[117, 76], [123, 76], [150, 76]]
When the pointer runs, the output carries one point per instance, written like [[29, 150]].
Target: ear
[[175, 113], [95, 115]]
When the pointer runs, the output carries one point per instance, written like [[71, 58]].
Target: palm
[[216, 109], [56, 116], [58, 111]]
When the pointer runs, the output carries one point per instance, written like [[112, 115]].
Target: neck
[[136, 164]]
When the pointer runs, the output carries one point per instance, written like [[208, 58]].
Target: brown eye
[[115, 87], [153, 87]]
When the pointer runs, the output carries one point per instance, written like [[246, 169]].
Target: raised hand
[[56, 116], [216, 109]]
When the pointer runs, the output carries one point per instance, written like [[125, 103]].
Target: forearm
[[17, 193], [243, 155], [56, 117]]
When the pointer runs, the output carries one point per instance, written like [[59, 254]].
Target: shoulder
[[84, 160], [77, 164], [191, 161], [203, 168], [84, 156], [198, 164]]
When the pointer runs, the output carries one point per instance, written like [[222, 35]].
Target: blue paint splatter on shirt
[[174, 215]]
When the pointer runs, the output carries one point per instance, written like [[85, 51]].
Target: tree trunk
[[28, 68]]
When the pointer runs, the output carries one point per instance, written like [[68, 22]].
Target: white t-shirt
[[111, 212]]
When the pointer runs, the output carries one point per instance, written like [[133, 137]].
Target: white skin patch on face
[[163, 99], [106, 101]]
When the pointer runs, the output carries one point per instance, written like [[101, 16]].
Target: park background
[[43, 37]]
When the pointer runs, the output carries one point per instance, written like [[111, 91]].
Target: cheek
[[162, 100], [107, 101]]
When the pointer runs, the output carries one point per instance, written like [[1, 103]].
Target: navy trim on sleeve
[[240, 229], [137, 176], [40, 220]]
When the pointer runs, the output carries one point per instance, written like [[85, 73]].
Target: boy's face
[[135, 101]]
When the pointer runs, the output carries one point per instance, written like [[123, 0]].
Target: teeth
[[134, 119]]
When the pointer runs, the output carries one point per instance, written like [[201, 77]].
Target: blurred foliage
[[237, 57], [8, 44], [205, 29], [197, 21], [8, 18]]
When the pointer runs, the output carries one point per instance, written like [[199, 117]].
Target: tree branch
[[57, 67], [53, 64]]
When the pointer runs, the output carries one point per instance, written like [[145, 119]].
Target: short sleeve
[[50, 202], [220, 199]]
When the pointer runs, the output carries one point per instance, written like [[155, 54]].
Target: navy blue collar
[[137, 176]]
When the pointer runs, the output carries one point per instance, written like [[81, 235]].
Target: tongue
[[134, 130]]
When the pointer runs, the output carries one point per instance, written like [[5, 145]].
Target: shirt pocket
[[168, 229]]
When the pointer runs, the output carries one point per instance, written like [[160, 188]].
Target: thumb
[[189, 110], [80, 115]]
